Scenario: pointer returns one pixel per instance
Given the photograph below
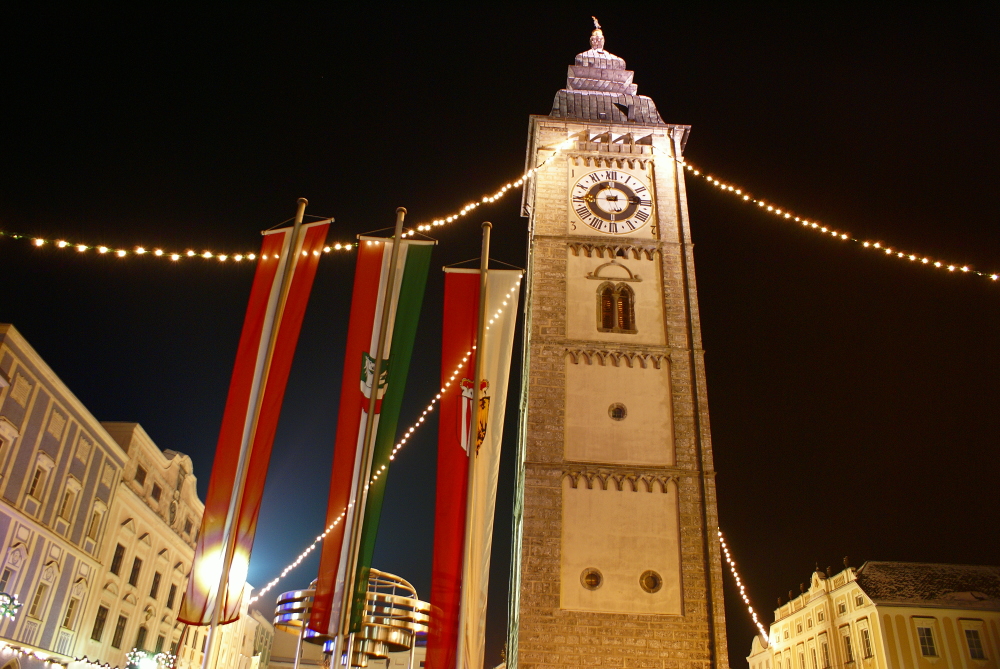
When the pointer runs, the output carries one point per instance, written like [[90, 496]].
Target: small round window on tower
[[617, 411], [591, 578], [650, 581]]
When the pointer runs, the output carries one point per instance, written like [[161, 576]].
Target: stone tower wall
[[544, 635]]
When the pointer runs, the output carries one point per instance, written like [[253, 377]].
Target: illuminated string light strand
[[508, 187], [49, 660], [174, 256], [250, 257], [784, 213], [392, 456], [739, 583]]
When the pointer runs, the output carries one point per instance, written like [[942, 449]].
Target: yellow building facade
[[888, 615]]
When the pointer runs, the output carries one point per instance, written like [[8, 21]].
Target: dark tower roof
[[599, 88]]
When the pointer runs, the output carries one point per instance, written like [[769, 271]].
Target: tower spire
[[597, 36]]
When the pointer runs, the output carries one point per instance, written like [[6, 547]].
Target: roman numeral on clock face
[[611, 176], [642, 215], [583, 213]]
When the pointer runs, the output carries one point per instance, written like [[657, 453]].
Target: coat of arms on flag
[[483, 414], [367, 372], [465, 418]]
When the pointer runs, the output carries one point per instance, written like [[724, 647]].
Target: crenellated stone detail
[[621, 156], [605, 357], [601, 250], [619, 479]]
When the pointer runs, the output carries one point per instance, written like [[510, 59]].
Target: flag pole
[[361, 492], [463, 615], [249, 431]]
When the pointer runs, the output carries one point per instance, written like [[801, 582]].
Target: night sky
[[853, 397]]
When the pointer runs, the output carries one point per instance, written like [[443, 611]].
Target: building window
[[859, 600], [5, 579], [38, 483], [820, 616], [848, 651], [133, 578], [187, 526], [798, 628], [70, 616], [616, 308], [591, 578], [95, 524], [809, 623], [841, 608], [156, 492], [102, 617], [786, 634], [802, 661], [116, 640], [815, 663], [116, 561], [826, 656], [976, 650], [66, 510], [38, 601], [159, 643], [650, 581], [171, 594], [140, 475], [866, 643], [155, 588], [926, 637], [140, 638]]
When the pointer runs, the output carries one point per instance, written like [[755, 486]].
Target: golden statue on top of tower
[[597, 36]]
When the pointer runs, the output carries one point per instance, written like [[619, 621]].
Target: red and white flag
[[368, 302], [254, 371], [462, 427]]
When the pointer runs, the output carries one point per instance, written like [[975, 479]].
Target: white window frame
[[37, 608], [96, 520], [926, 624], [45, 464], [978, 627]]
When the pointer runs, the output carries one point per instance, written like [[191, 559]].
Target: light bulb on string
[[784, 213]]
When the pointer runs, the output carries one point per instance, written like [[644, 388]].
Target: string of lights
[[490, 199], [378, 472], [52, 660], [746, 600], [175, 256], [785, 214], [392, 456], [729, 188]]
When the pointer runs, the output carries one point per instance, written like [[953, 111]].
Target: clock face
[[612, 202]]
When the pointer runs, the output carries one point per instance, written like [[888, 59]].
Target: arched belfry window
[[615, 298], [616, 308], [607, 297]]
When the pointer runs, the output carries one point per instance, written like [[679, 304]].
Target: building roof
[[599, 88], [935, 585]]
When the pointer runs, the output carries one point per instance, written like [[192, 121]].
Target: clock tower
[[616, 555]]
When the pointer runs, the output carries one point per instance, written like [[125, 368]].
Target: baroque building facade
[[96, 523], [147, 555], [615, 559], [887, 615]]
